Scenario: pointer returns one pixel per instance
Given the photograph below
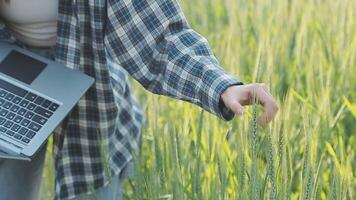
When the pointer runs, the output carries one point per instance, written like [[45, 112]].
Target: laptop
[[35, 96]]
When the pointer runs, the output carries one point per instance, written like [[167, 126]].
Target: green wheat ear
[[241, 174], [307, 179], [271, 168], [254, 182]]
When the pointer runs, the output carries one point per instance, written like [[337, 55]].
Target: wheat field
[[305, 50]]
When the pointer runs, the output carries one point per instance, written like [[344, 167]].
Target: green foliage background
[[305, 51]]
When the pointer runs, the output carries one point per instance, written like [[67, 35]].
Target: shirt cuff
[[216, 82]]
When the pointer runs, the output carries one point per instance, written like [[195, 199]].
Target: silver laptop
[[35, 96]]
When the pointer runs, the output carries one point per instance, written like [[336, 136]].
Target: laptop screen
[[21, 67]]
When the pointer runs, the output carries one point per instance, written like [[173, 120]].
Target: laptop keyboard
[[22, 113]]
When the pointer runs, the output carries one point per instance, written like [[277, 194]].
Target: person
[[109, 39]]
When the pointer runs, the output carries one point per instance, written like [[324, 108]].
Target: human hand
[[237, 96]]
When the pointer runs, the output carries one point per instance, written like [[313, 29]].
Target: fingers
[[235, 97], [265, 88], [263, 96]]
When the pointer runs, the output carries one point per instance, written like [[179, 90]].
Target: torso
[[33, 22]]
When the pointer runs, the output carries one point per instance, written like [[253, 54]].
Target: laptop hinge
[[10, 146]]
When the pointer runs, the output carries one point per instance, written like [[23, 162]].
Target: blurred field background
[[305, 50]]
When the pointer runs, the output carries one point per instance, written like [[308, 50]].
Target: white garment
[[33, 22]]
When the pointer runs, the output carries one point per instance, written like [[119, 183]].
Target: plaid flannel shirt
[[152, 41]]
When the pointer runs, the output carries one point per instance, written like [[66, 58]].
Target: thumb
[[237, 108]]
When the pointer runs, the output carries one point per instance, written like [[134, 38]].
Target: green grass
[[305, 51]]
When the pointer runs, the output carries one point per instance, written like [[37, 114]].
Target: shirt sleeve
[[152, 40]]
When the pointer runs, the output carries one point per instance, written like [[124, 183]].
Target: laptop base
[[13, 156]]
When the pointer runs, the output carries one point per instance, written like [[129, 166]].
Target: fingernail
[[241, 111]]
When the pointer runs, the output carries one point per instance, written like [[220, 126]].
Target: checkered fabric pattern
[[152, 41]]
